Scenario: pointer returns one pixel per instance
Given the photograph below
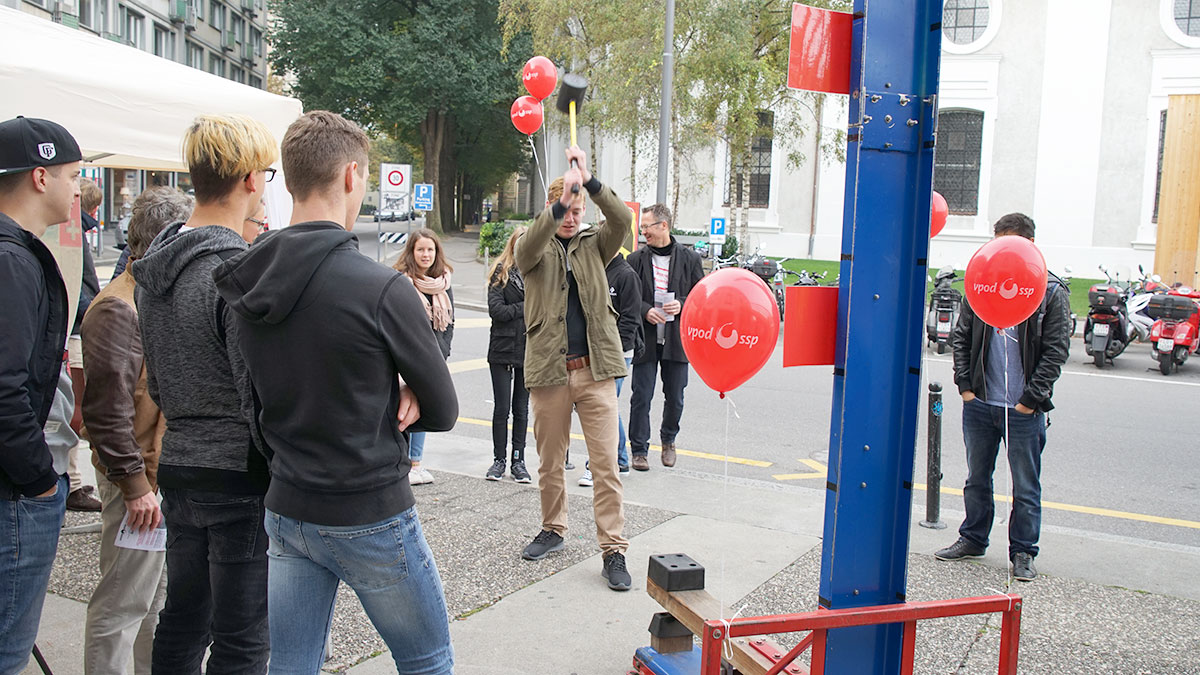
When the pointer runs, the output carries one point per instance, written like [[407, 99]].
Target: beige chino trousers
[[123, 611], [596, 404]]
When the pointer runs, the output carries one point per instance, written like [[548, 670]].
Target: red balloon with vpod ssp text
[[526, 114], [729, 327], [1005, 281]]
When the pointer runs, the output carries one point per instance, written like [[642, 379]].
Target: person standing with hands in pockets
[[573, 354]]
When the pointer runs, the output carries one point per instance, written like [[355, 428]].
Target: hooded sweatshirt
[[194, 371], [325, 331]]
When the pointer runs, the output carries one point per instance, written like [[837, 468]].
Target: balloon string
[[533, 146], [1008, 446], [546, 150], [730, 410]]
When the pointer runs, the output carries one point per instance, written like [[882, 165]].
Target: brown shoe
[[82, 500], [668, 454], [640, 463]]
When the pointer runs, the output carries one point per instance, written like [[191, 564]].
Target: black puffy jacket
[[506, 306]]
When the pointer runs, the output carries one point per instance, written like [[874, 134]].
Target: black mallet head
[[572, 88]]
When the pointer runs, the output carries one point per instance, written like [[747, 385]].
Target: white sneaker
[[419, 476], [586, 479]]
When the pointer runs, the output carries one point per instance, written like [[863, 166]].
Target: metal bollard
[[933, 466]]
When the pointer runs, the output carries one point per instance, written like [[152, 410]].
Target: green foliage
[[493, 236], [429, 75], [731, 246]]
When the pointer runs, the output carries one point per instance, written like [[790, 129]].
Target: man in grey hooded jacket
[[211, 473]]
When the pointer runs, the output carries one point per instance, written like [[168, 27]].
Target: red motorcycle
[[1176, 330]]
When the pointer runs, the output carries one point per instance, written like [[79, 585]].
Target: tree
[[417, 70]]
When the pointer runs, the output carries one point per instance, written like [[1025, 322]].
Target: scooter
[[779, 282], [1176, 329], [943, 309], [1106, 330]]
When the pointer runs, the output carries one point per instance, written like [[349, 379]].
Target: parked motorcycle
[[1106, 330], [1176, 329], [944, 303], [779, 282]]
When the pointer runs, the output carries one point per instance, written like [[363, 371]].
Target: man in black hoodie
[[211, 473], [325, 332]]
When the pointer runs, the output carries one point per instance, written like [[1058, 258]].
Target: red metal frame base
[[822, 621]]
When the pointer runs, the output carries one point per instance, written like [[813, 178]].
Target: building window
[[256, 41], [216, 65], [239, 28], [87, 14], [195, 56], [197, 5], [255, 82], [1162, 141], [216, 15], [759, 167], [956, 159], [39, 3], [132, 26], [965, 21], [164, 42], [1187, 17], [237, 74]]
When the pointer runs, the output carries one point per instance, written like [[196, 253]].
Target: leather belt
[[577, 362]]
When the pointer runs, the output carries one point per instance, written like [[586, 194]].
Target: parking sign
[[423, 197], [716, 231]]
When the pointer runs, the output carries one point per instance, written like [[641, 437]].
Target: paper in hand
[[142, 540]]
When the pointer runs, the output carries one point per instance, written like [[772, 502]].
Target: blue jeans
[[983, 429], [674, 379], [29, 529], [387, 564], [216, 585], [416, 446]]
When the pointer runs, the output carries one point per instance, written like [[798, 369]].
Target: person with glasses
[[668, 272], [212, 473], [256, 224]]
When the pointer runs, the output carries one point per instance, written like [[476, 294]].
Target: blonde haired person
[[506, 361], [424, 263], [573, 355], [212, 472]]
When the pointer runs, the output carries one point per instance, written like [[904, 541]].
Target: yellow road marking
[[687, 453], [470, 364], [1057, 506]]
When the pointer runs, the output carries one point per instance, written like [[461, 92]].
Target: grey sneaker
[[623, 469], [545, 543], [497, 470], [520, 473], [615, 571], [959, 550], [586, 479], [1023, 569]]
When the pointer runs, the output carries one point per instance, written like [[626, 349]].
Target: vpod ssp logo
[[1007, 289], [725, 339]]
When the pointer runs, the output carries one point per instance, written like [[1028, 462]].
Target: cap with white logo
[[27, 143]]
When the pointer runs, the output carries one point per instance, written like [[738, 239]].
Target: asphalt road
[[1121, 445]]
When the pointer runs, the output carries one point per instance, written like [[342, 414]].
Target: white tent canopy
[[127, 108]]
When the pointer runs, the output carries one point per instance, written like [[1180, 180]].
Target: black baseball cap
[[27, 143]]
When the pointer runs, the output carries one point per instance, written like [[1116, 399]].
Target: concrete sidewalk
[[1104, 605]]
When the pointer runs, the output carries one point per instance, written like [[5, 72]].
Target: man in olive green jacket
[[572, 355]]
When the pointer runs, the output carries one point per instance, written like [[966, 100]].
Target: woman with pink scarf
[[424, 263]]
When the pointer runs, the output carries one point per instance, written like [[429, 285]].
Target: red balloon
[[540, 77], [526, 114], [1005, 281], [729, 327], [939, 209]]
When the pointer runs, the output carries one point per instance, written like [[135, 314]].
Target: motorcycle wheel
[[1098, 357], [1164, 363]]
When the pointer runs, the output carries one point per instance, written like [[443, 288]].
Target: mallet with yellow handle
[[570, 98]]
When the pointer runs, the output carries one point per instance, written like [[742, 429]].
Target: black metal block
[[676, 572]]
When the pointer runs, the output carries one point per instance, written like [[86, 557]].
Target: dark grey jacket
[[506, 307], [194, 370], [686, 271], [325, 332], [1044, 338], [33, 334]]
